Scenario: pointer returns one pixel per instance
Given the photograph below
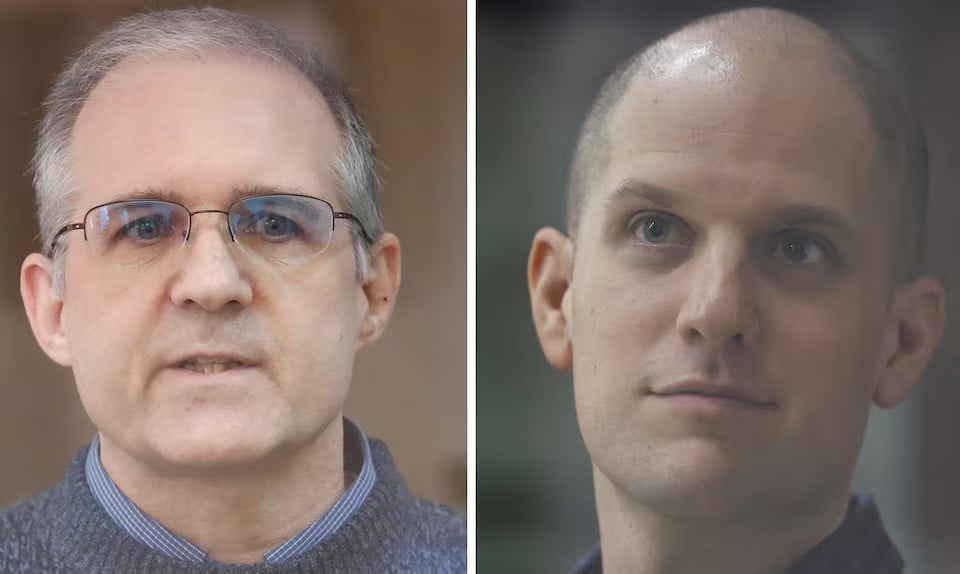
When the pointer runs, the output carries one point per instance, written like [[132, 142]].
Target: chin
[[693, 476], [207, 444]]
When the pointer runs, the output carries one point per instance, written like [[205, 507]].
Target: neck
[[636, 539], [237, 514]]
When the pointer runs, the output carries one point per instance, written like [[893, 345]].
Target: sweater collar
[[377, 492]]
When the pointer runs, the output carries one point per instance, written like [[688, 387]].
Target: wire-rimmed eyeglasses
[[275, 226]]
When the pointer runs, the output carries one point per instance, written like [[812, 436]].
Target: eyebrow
[[666, 198], [786, 215], [801, 215], [161, 194]]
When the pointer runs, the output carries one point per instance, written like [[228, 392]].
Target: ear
[[917, 320], [549, 271], [381, 291], [44, 307]]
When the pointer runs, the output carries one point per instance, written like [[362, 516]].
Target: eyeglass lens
[[278, 227]]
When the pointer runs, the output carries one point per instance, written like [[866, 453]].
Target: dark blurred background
[[406, 62], [539, 64]]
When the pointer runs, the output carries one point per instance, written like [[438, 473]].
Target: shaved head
[[743, 46]]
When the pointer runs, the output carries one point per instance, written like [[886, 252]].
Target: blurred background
[[406, 63], [539, 64]]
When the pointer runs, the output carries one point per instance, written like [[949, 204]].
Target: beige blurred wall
[[406, 61]]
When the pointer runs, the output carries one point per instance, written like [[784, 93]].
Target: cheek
[[830, 348], [318, 330], [823, 364], [620, 328], [108, 330]]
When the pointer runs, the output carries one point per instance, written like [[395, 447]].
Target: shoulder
[[437, 536], [29, 517], [26, 533], [431, 535], [439, 525], [32, 531]]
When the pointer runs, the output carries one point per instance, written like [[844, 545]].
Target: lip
[[713, 391], [224, 356]]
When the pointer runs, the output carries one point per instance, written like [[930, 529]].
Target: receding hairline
[[214, 55], [186, 32]]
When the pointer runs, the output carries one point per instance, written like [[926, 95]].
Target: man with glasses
[[213, 258], [737, 287]]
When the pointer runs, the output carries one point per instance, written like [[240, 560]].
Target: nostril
[[693, 334]]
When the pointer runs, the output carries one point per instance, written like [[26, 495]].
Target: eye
[[658, 229], [274, 226], [147, 229], [801, 249]]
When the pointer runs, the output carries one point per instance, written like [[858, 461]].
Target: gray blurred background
[[539, 64], [406, 62]]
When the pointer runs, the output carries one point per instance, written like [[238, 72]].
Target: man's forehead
[[744, 110], [190, 124], [203, 69], [694, 79]]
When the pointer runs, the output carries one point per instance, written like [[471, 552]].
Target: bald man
[[733, 293]]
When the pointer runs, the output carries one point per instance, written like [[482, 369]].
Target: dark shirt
[[859, 546]]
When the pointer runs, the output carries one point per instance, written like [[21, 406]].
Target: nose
[[209, 277], [720, 309]]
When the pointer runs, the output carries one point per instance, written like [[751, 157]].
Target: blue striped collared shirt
[[138, 524]]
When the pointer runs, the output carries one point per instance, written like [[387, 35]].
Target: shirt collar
[[859, 546], [143, 528]]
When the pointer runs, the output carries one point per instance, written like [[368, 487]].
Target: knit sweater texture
[[65, 530]]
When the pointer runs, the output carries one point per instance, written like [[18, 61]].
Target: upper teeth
[[209, 365]]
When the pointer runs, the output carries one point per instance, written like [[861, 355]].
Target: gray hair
[[192, 33]]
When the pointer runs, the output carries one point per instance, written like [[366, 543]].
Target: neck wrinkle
[[636, 539]]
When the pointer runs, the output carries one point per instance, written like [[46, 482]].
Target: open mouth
[[206, 365]]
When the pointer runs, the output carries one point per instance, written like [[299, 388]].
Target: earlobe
[[44, 307], [549, 271], [380, 292], [918, 319]]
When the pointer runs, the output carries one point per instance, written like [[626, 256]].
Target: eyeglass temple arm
[[353, 218], [64, 229]]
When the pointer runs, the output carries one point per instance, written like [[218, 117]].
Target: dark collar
[[859, 546]]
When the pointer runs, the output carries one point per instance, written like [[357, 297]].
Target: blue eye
[[147, 229], [274, 226]]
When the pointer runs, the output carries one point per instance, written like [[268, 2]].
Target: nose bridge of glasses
[[224, 224]]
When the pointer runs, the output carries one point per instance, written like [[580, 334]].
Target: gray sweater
[[66, 530]]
